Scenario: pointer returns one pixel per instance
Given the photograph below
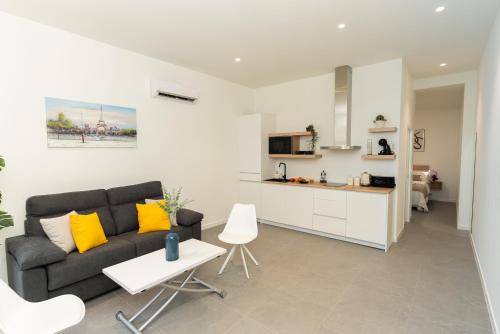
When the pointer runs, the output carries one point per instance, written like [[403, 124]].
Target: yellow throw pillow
[[87, 231], [152, 218]]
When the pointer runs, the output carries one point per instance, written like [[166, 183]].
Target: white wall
[[485, 226], [376, 89], [467, 151], [443, 135], [194, 146]]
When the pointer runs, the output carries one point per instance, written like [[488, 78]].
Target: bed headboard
[[421, 167]]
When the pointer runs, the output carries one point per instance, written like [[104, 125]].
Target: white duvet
[[419, 199]]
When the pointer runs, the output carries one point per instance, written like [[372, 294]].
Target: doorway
[[437, 146]]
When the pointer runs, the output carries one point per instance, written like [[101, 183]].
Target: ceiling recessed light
[[439, 9], [237, 60], [341, 26], [443, 64]]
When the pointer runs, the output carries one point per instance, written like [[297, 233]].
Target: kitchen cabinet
[[358, 216], [287, 205], [368, 217], [253, 141], [250, 193], [298, 206]]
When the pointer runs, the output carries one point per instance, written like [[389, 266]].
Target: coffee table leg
[[210, 287]]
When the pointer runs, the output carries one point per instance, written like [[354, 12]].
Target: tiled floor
[[427, 283]]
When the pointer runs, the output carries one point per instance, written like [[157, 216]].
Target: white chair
[[241, 228], [18, 316]]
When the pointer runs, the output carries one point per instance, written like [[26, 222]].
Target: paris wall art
[[83, 124]]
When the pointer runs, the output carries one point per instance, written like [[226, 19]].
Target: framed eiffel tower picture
[[84, 124]]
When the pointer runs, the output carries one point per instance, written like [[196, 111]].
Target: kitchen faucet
[[284, 174]]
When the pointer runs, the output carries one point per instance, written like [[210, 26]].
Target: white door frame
[[409, 176]]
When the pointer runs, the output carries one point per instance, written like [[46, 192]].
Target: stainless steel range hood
[[342, 110]]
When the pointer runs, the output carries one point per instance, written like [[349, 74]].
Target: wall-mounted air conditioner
[[172, 90]]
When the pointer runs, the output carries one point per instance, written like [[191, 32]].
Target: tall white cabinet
[[254, 163]]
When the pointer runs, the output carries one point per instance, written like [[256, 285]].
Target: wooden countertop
[[376, 190]]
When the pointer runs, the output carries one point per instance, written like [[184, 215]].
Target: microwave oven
[[281, 145]]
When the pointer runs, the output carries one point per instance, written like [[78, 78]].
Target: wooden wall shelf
[[381, 130], [295, 156], [290, 134], [378, 157]]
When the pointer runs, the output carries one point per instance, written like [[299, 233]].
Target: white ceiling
[[279, 40], [445, 97]]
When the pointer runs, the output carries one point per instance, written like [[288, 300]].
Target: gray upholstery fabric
[[152, 241], [30, 284], [31, 252], [47, 206], [88, 288], [122, 202], [78, 266], [186, 217]]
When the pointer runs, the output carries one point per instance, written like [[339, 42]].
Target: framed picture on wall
[[419, 140], [84, 124]]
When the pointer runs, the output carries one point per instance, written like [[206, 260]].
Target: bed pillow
[[424, 176]]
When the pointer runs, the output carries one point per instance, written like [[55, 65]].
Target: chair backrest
[[242, 220], [11, 304]]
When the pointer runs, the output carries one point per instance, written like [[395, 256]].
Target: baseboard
[[213, 224], [494, 325], [464, 227]]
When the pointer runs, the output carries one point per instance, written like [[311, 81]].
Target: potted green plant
[[380, 121], [314, 139], [173, 203], [6, 220]]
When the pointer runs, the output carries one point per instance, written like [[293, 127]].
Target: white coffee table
[[150, 270]]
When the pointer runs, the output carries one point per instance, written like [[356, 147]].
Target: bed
[[421, 191]]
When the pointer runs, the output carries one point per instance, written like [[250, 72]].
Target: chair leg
[[229, 256], [244, 262], [251, 256]]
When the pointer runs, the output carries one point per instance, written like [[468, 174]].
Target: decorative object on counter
[[383, 181], [314, 139], [323, 177], [365, 179], [434, 176], [357, 181], [172, 246], [350, 181], [6, 220], [380, 121], [386, 150], [419, 140], [369, 147], [173, 203]]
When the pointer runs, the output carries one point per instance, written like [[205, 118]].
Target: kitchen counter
[[319, 185]]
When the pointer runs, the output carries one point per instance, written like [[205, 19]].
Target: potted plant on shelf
[[314, 140], [380, 121], [6, 220]]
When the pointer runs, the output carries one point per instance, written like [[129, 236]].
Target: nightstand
[[436, 185]]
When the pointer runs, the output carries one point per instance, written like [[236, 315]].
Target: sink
[[278, 180], [334, 185]]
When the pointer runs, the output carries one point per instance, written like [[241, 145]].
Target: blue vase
[[172, 246]]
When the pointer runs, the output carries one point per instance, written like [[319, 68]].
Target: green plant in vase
[[314, 140], [173, 203], [6, 220]]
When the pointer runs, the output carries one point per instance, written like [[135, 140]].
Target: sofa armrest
[[31, 252], [186, 217]]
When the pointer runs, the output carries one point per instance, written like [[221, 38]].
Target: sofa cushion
[[78, 266], [122, 202], [83, 202], [152, 241]]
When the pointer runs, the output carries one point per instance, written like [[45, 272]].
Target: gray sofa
[[39, 270]]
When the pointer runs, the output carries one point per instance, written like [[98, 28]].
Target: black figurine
[[386, 150]]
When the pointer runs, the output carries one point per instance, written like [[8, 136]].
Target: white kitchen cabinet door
[[250, 146], [273, 202], [329, 225], [249, 193], [298, 206], [367, 217]]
